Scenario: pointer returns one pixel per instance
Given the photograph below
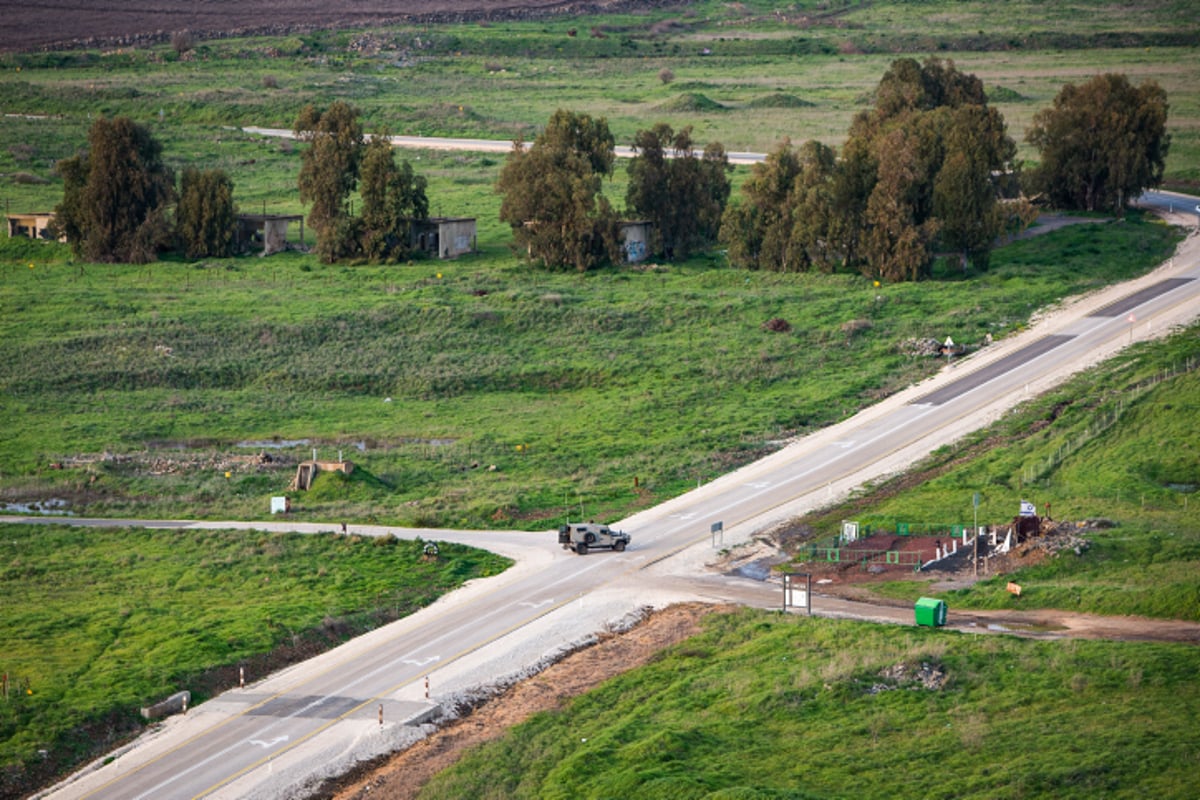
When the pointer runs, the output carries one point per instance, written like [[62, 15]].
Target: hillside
[[785, 689]]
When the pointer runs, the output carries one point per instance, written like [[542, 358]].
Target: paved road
[[276, 736], [1172, 203], [480, 145]]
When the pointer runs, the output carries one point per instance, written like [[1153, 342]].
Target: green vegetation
[[428, 375], [108, 620], [682, 196], [1117, 443], [148, 390], [504, 79], [553, 195], [116, 195], [1122, 154], [771, 707], [205, 216]]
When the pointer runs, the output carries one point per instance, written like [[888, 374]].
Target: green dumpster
[[930, 612]]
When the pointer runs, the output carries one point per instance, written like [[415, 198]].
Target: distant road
[[480, 145], [1172, 203]]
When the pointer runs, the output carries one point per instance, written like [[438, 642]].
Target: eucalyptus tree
[[205, 216], [682, 194], [552, 193], [116, 195], [1101, 143], [393, 200], [922, 169], [329, 174], [757, 230]]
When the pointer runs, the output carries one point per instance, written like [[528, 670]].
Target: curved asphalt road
[[275, 737]]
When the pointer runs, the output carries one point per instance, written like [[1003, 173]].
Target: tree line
[[118, 194], [928, 170]]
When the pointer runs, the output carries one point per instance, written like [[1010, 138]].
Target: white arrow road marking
[[759, 485], [270, 744], [538, 604], [845, 444], [421, 662], [683, 516]]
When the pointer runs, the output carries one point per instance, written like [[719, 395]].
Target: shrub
[[205, 216], [182, 41], [777, 325]]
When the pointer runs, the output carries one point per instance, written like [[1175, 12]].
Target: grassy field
[[100, 622], [138, 388], [1118, 443], [146, 391], [744, 74], [769, 707]]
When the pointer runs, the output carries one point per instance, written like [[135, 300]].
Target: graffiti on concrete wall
[[635, 251]]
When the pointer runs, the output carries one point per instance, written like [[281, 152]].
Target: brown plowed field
[[64, 24]]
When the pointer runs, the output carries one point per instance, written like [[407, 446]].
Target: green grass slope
[[100, 622], [1118, 443], [769, 707], [478, 393]]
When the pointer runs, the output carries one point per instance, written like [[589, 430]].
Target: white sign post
[[797, 591]]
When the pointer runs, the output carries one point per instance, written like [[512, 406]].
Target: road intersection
[[283, 734]]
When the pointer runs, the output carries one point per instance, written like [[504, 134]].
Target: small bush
[[777, 325], [270, 82], [666, 75], [182, 41], [22, 153], [1002, 94]]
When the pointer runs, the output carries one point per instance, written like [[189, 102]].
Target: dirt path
[[1049, 221]]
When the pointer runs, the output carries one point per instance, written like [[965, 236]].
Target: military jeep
[[584, 536]]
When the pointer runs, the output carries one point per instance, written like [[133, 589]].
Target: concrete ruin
[[268, 230], [635, 240], [444, 237], [32, 225], [306, 472], [175, 704]]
